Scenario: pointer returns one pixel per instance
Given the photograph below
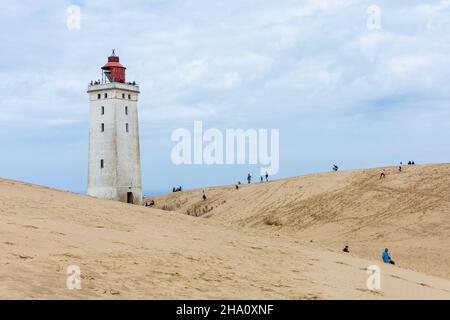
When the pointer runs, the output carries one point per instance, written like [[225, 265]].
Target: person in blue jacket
[[386, 257]]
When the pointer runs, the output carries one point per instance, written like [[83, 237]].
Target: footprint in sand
[[58, 233], [340, 262], [374, 292], [85, 276], [423, 284], [309, 297], [22, 256], [67, 255], [29, 226]]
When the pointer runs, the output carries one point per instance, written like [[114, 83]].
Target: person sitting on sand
[[237, 186], [346, 249], [382, 174], [386, 257]]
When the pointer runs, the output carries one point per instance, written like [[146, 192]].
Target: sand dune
[[408, 211], [127, 251]]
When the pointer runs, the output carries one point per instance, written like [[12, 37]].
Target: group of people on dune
[[249, 178], [382, 173], [384, 255]]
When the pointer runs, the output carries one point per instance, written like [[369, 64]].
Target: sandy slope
[[409, 212], [127, 251]]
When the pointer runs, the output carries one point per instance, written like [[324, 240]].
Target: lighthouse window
[[103, 110], [98, 96], [126, 110], [129, 96], [106, 95], [101, 164], [123, 95], [103, 127], [126, 127]]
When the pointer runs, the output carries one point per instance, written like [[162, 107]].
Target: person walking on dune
[[249, 178], [267, 177], [386, 257], [204, 196]]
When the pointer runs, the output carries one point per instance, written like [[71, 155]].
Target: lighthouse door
[[130, 197]]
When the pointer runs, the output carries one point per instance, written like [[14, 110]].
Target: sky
[[338, 90]]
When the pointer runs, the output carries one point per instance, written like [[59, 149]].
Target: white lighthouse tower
[[114, 169]]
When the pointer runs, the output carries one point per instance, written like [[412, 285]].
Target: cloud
[[231, 79], [194, 71], [310, 68]]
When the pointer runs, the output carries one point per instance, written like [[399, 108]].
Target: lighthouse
[[114, 165]]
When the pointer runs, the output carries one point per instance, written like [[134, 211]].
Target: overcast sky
[[338, 91]]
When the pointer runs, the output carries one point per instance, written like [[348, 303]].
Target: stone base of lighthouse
[[123, 194]]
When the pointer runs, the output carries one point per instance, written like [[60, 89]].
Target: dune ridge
[[408, 211], [133, 252]]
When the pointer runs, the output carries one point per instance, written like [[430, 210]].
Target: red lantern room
[[113, 70]]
